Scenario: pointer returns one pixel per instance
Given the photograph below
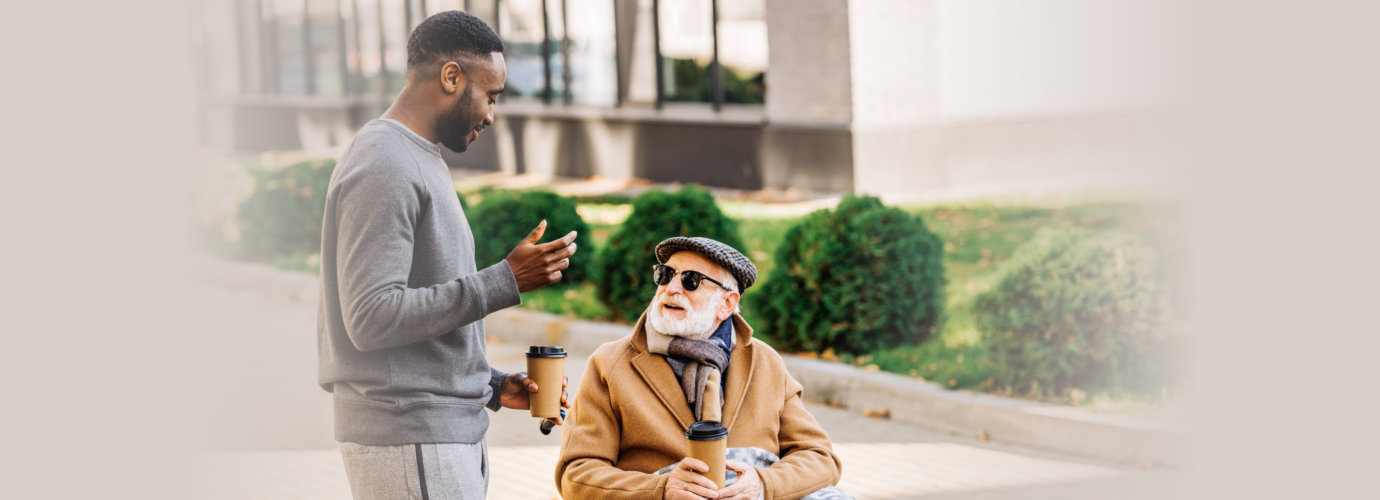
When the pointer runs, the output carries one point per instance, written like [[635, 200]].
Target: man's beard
[[455, 126], [695, 325]]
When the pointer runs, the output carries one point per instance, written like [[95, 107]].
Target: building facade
[[874, 96]]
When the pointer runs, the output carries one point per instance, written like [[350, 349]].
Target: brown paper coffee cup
[[709, 443], [546, 367]]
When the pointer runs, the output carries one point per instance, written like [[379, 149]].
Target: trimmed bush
[[624, 266], [1077, 309], [860, 278], [503, 218], [283, 216]]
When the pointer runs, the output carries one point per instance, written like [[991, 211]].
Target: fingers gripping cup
[[546, 367], [709, 444]]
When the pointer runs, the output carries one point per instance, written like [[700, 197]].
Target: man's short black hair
[[448, 35]]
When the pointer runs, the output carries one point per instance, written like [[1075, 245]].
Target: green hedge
[[624, 266], [503, 218], [860, 278], [1078, 309], [283, 215]]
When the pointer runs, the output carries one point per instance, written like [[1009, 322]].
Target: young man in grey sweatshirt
[[400, 328]]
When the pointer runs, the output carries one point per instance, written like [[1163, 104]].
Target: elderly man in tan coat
[[691, 357]]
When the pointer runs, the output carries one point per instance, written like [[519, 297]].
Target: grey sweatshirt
[[400, 336]]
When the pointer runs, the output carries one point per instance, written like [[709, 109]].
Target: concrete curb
[[925, 404]]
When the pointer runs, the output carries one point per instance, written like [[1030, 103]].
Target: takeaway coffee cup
[[546, 367], [709, 444]]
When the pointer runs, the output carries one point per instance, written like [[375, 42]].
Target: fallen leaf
[[808, 355], [982, 435], [882, 413], [871, 368], [953, 383]]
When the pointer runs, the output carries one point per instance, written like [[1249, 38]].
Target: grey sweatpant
[[448, 471]]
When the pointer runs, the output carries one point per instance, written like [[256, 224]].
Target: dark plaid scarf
[[699, 365]]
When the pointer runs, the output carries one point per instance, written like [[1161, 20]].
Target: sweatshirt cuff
[[500, 288], [495, 382]]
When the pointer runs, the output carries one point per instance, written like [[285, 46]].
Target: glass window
[[437, 6], [482, 9], [743, 50], [520, 24], [555, 30], [292, 62], [326, 27], [687, 48], [368, 56], [395, 31], [593, 55], [416, 13]]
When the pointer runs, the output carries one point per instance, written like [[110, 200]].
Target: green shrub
[[503, 218], [283, 215], [624, 265], [862, 277], [1077, 309]]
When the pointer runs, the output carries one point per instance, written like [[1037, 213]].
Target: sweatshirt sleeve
[[496, 383], [589, 447], [807, 461], [377, 211]]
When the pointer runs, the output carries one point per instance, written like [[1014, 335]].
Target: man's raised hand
[[537, 265]]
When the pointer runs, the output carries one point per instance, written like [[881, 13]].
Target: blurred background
[[970, 202], [1124, 229], [894, 97], [164, 159]]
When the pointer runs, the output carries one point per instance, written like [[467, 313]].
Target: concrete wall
[[808, 63], [672, 145], [1003, 60], [961, 97], [994, 157]]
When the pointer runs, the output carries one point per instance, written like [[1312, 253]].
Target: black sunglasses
[[690, 280]]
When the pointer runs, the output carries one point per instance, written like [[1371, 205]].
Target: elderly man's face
[[681, 313]]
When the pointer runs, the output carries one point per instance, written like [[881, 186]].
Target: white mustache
[[675, 300]]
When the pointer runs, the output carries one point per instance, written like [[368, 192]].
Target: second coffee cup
[[709, 444], [546, 367]]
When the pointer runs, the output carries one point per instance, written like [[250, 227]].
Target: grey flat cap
[[734, 261]]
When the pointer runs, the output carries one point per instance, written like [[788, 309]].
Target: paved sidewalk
[[265, 427]]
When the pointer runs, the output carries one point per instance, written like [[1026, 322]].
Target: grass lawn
[[979, 236]]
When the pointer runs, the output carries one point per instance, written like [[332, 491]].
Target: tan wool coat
[[630, 416]]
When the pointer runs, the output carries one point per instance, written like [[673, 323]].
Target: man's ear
[[729, 304], [452, 77]]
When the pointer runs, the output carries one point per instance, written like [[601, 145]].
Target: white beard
[[695, 325]]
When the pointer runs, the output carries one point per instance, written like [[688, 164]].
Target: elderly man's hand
[[514, 393], [747, 487], [687, 482]]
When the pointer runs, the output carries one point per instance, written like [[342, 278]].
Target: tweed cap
[[734, 261]]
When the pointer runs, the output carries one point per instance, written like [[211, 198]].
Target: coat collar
[[658, 375]]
